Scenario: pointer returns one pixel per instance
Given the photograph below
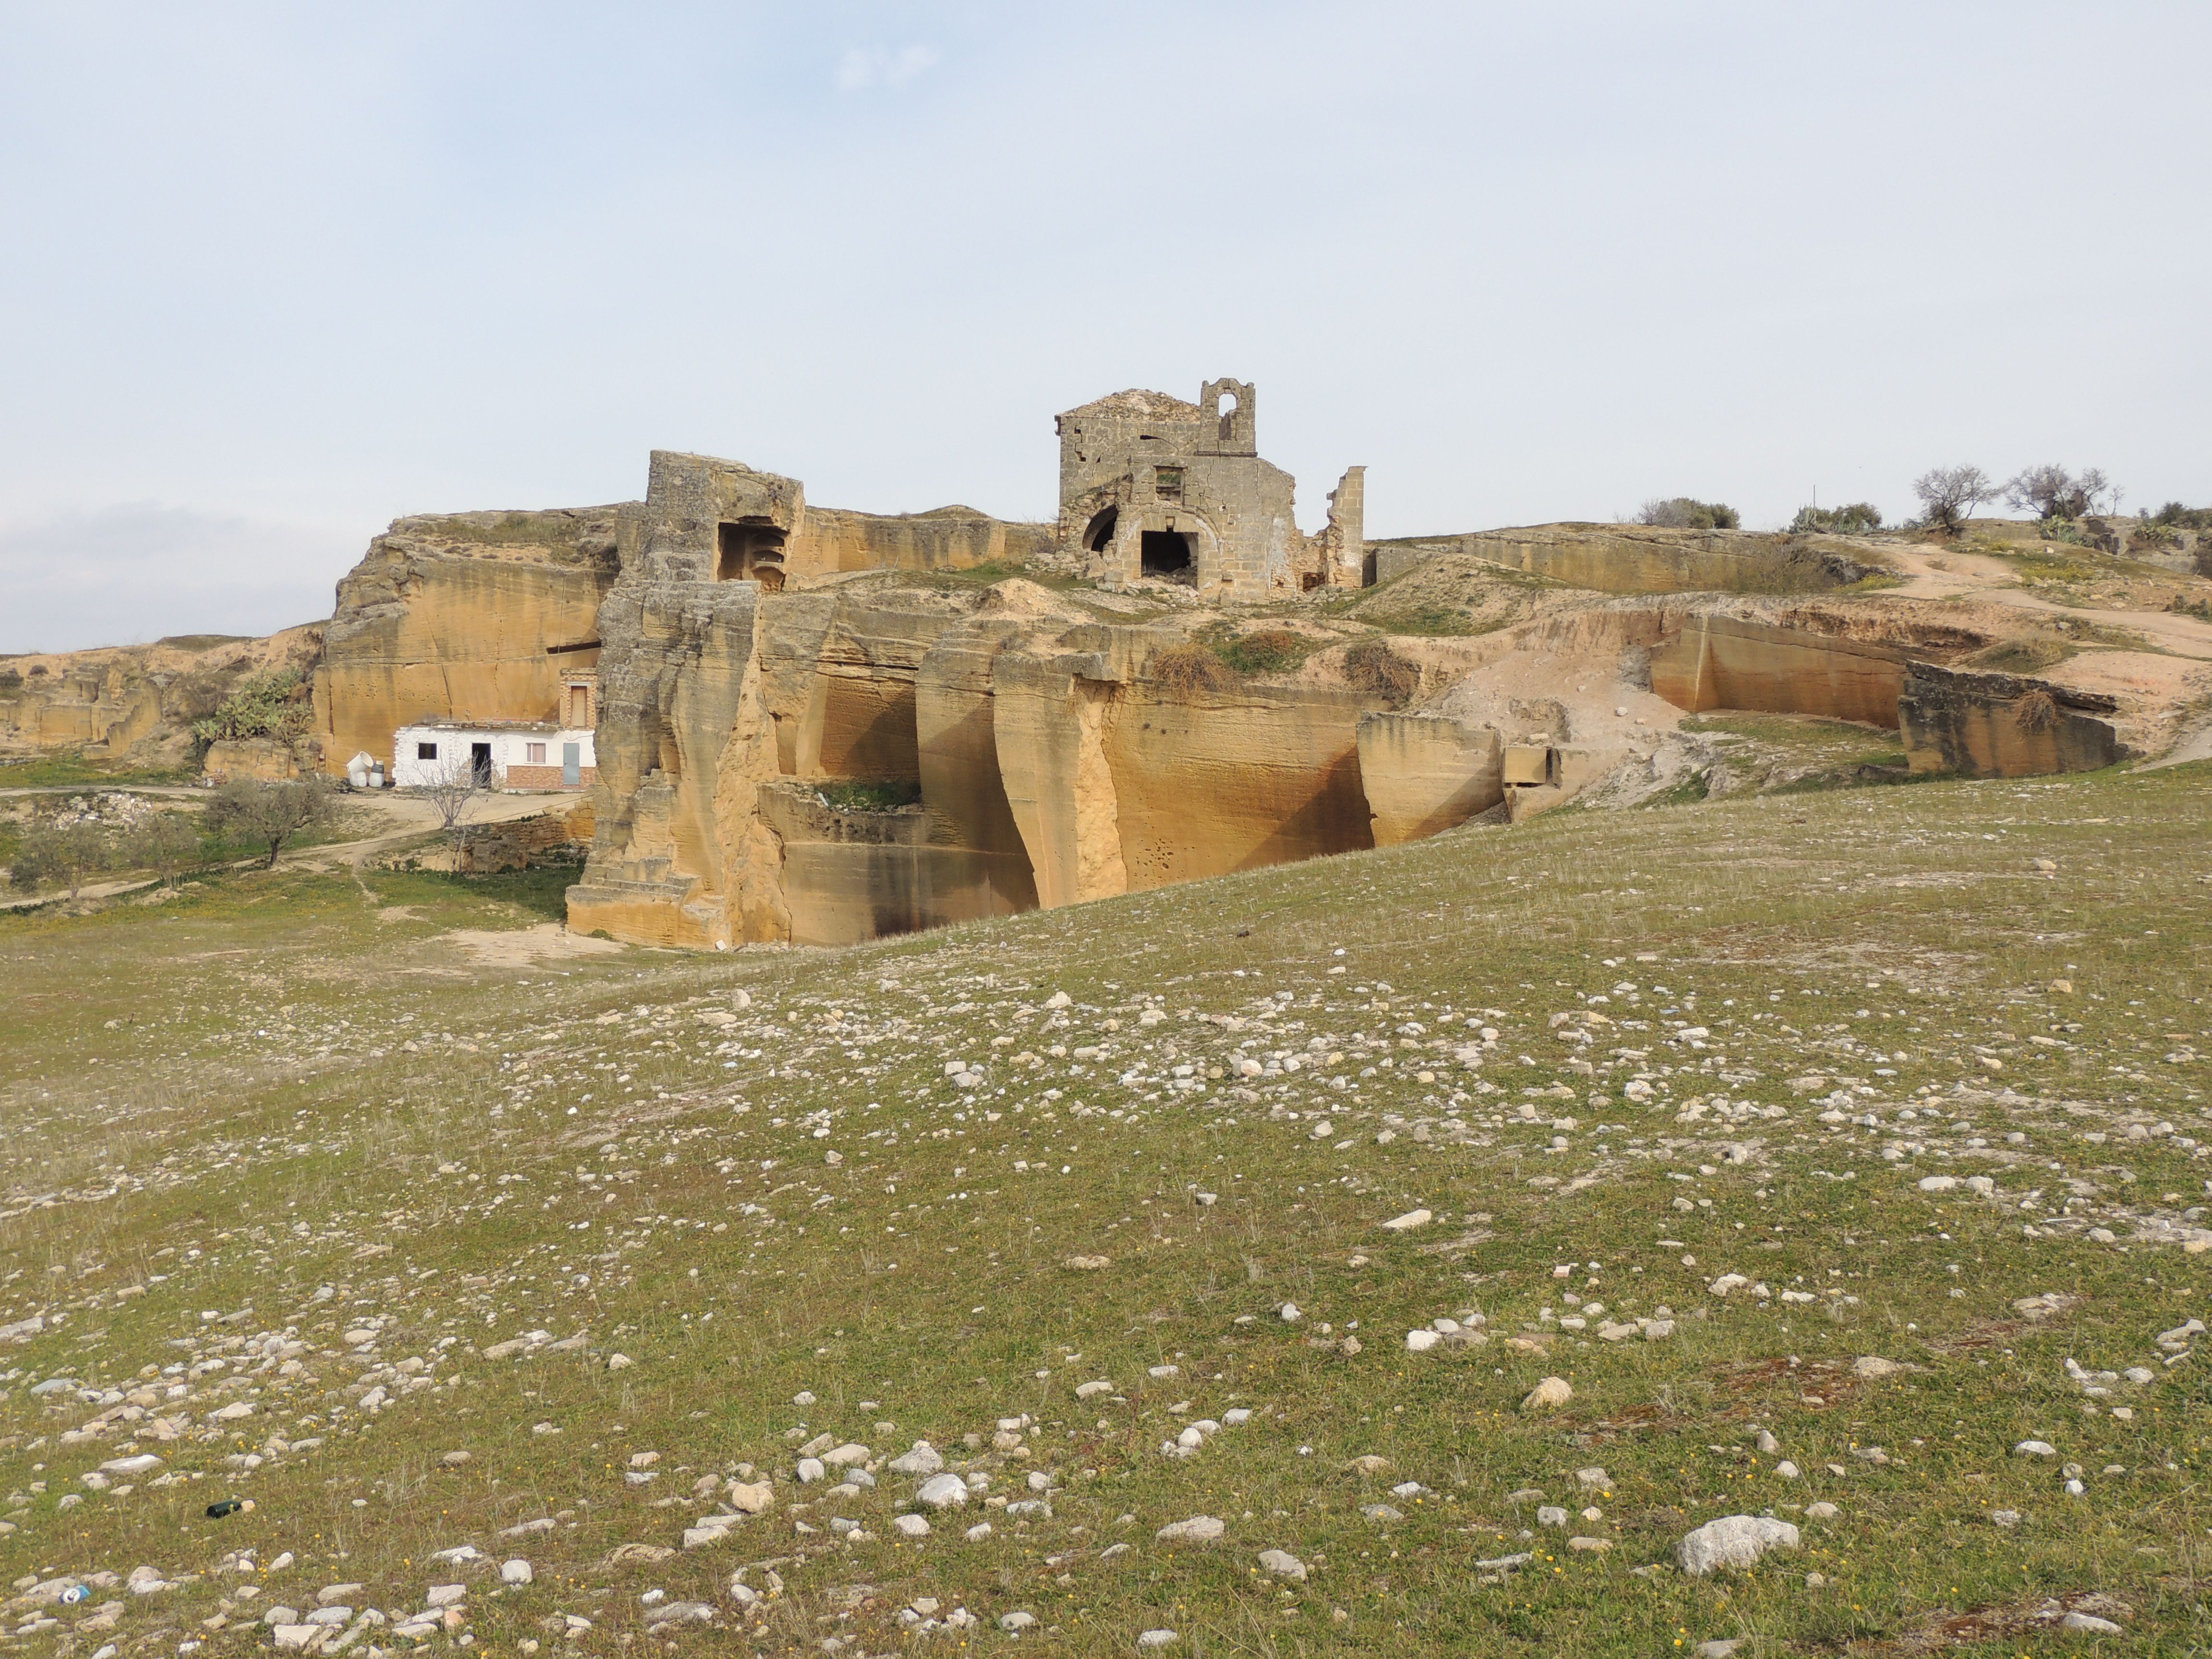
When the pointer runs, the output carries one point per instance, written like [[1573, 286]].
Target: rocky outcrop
[[2004, 726], [1644, 559], [878, 754], [1729, 662], [1424, 773], [135, 704], [469, 616]]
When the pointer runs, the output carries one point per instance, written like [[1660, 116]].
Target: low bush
[[1853, 519], [869, 794], [1264, 651], [1373, 667], [1685, 513], [1186, 668]]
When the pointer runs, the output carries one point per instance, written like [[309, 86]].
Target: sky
[[275, 274]]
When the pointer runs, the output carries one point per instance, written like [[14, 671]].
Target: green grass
[[63, 770], [288, 1103]]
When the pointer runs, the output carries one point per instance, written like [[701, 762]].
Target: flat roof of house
[[488, 726]]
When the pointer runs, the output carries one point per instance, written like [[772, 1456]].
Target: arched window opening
[[1100, 534]]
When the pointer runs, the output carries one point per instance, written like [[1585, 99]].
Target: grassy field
[[1710, 1106]]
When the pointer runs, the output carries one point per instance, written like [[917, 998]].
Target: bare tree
[[271, 815], [2052, 492], [452, 792], [1949, 495]]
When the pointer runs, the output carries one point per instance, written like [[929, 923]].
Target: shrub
[[1854, 519], [868, 794], [272, 704], [1683, 513], [1186, 668], [2174, 516], [1373, 667], [1264, 651]]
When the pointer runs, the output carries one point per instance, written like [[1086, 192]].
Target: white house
[[516, 754]]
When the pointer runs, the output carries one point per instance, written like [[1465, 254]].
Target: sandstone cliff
[[134, 705], [466, 615]]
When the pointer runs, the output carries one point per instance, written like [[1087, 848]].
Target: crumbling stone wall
[[1152, 486]]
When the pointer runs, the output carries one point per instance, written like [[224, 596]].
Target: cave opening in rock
[[750, 550], [1165, 553], [1099, 535]]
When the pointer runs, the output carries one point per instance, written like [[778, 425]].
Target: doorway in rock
[[1165, 553], [480, 763], [750, 550]]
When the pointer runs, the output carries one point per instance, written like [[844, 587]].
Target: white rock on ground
[[2087, 1624], [924, 1459], [1199, 1529], [517, 1572], [1733, 1540], [911, 1526], [1408, 1222], [1281, 1563], [1548, 1396], [943, 1491], [1156, 1638]]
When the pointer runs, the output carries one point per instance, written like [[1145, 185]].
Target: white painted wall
[[453, 744]]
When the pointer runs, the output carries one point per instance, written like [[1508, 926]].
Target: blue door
[[572, 765]]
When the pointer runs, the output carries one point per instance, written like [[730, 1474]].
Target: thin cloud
[[859, 70]]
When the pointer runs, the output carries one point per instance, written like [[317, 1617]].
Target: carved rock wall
[[461, 616]]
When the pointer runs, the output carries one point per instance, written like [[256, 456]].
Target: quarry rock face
[[135, 703], [471, 617], [2000, 726]]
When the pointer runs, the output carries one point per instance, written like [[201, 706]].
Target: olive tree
[[270, 815], [168, 843], [62, 855]]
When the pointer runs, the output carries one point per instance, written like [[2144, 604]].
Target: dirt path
[[409, 817], [1932, 574]]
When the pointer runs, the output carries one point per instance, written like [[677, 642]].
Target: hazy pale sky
[[276, 274]]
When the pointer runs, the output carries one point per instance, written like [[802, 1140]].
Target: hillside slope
[[1828, 1147]]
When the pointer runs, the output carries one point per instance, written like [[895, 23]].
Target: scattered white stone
[[2035, 1449], [1871, 1365], [2087, 1624], [1823, 1511], [517, 1572], [923, 1459], [911, 1526], [1199, 1529], [1549, 1395], [1281, 1563], [943, 1491], [1156, 1638], [1422, 1340], [1408, 1222], [1733, 1540]]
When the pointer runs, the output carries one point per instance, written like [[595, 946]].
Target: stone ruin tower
[[1152, 487]]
